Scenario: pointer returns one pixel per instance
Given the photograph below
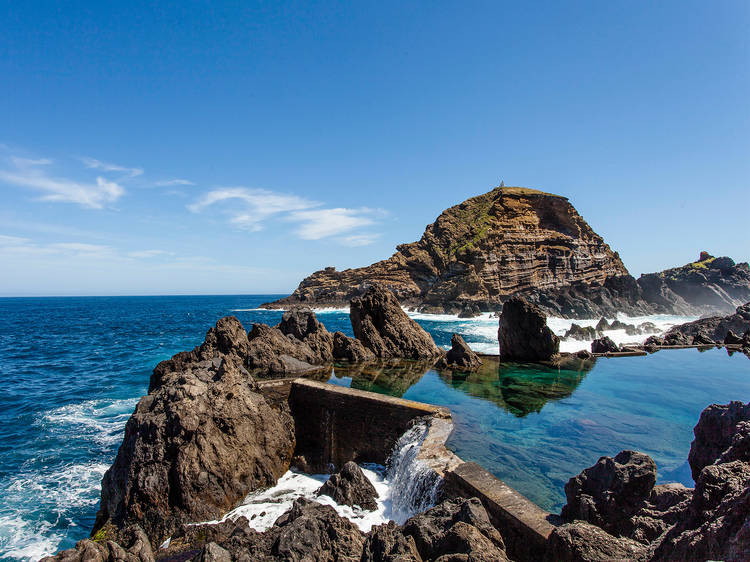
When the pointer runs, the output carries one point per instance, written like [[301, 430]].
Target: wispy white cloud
[[360, 239], [249, 209], [171, 183], [20, 245], [31, 174], [257, 205], [148, 253], [321, 223], [95, 164]]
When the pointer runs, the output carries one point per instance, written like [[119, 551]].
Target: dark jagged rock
[[523, 333], [732, 339], [580, 333], [714, 433], [612, 491], [709, 284], [349, 486], [717, 526], [648, 328], [604, 345], [459, 356], [385, 329], [714, 328], [349, 349], [479, 253], [308, 531], [672, 522], [702, 338], [271, 352], [583, 542], [456, 527], [132, 545], [387, 543], [602, 325], [194, 447], [630, 329], [470, 310], [301, 323], [676, 338]]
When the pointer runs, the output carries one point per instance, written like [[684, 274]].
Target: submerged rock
[[604, 345], [349, 486], [459, 356], [385, 329], [523, 333]]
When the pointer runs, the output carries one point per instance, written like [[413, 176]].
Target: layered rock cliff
[[519, 241], [478, 253]]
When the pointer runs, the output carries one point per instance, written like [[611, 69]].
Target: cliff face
[[479, 252]]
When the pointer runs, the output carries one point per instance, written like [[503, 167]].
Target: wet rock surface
[[523, 333], [350, 349], [459, 356], [386, 330], [349, 486]]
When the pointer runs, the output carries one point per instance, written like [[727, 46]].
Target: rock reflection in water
[[521, 388], [392, 377]]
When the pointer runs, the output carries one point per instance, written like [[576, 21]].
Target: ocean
[[74, 368]]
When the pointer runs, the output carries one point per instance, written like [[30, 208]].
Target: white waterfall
[[413, 485]]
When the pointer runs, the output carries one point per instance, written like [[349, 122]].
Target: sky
[[236, 147]]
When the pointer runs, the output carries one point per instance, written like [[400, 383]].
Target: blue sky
[[236, 147]]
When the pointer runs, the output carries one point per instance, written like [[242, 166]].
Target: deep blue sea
[[74, 368]]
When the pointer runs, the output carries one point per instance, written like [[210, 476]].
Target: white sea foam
[[404, 488], [25, 534], [101, 421]]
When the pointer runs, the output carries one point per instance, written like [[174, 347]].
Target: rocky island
[[520, 241]]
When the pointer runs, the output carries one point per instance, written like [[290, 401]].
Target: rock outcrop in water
[[715, 328], [459, 357], [349, 486], [385, 329], [477, 254], [620, 514], [523, 333]]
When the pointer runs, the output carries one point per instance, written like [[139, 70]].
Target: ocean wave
[[101, 421], [38, 505]]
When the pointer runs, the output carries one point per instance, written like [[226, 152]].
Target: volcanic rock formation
[[478, 253], [459, 356], [197, 443], [385, 329], [349, 486], [620, 514], [523, 333]]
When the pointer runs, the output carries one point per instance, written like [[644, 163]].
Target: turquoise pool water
[[535, 427]]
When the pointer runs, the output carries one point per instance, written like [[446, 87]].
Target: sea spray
[[413, 485]]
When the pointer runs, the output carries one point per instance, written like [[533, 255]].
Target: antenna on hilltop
[[502, 183]]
